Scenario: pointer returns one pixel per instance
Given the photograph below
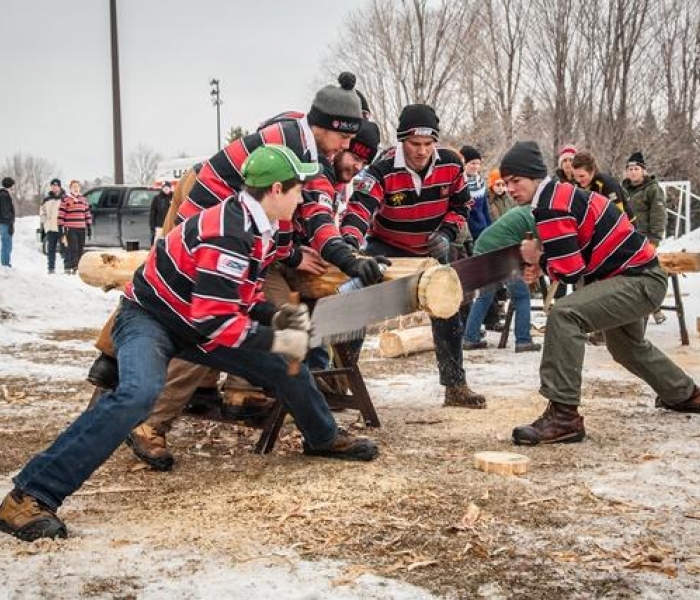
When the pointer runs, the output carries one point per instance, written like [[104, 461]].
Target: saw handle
[[294, 365]]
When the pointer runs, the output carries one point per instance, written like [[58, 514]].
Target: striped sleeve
[[364, 203], [316, 214], [459, 206], [558, 232]]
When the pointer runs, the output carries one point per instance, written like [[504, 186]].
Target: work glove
[[89, 232], [439, 246], [292, 316], [367, 268], [351, 241], [291, 343]]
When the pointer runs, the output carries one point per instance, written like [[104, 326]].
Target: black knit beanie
[[337, 108], [469, 153], [366, 112], [637, 158], [524, 159], [418, 119], [366, 143]]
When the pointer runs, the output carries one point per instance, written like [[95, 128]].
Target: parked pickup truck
[[120, 214]]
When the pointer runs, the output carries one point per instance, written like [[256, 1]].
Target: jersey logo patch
[[325, 200], [230, 265], [363, 184], [397, 199]]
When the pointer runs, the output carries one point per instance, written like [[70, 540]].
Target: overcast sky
[[55, 86]]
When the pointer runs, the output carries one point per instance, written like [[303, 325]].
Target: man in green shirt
[[508, 230]]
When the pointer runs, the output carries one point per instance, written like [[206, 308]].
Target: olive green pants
[[617, 306]]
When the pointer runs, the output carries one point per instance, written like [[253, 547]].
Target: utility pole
[[116, 97], [216, 101]]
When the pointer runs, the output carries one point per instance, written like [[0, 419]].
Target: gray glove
[[439, 245], [292, 316], [291, 343]]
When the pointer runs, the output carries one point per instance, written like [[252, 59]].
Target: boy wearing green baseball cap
[[199, 297]]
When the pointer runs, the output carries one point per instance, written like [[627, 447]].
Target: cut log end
[[403, 342], [502, 463], [440, 292]]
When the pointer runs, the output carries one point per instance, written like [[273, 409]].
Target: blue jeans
[[53, 239], [520, 295], [5, 245], [144, 349]]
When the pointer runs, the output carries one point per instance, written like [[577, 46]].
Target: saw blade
[[345, 317], [489, 268]]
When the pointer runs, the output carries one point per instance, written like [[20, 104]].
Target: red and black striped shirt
[[203, 281], [585, 235], [313, 223], [74, 212], [393, 204]]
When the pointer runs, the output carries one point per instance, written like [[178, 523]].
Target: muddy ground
[[615, 517]]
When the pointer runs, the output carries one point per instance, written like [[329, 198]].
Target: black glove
[[11, 229], [469, 247], [89, 231], [439, 246], [351, 241], [367, 269], [61, 233]]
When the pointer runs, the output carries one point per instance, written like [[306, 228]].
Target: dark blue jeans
[[53, 240], [520, 296], [144, 349], [5, 245]]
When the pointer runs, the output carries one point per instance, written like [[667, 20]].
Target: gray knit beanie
[[337, 108], [524, 159]]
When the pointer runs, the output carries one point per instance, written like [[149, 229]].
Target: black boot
[[104, 372]]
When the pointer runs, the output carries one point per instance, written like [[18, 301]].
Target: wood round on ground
[[440, 292], [403, 342], [110, 269], [502, 463]]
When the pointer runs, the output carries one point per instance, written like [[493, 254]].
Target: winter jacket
[[607, 186], [48, 211], [159, 209], [74, 213], [648, 203], [499, 205], [479, 216], [7, 209], [561, 176]]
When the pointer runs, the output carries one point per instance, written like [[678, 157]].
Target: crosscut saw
[[345, 317]]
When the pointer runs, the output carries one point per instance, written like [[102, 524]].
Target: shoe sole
[[28, 533], [572, 438], [157, 464], [361, 455], [470, 406]]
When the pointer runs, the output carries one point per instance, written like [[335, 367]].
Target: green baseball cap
[[271, 163]]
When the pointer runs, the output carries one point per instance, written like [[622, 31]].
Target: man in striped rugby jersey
[[198, 296], [584, 236], [413, 202]]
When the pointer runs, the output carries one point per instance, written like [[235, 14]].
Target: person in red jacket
[[74, 222], [584, 237], [198, 296]]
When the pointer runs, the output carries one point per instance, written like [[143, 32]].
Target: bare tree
[[31, 174], [142, 164]]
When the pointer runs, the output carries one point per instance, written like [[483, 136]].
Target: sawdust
[[421, 513]]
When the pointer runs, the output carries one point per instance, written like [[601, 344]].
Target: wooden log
[[502, 463], [403, 342], [110, 269], [680, 262], [440, 291], [318, 286], [416, 319]]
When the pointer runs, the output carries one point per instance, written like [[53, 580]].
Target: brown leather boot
[[346, 446], [28, 519], [462, 395], [559, 424], [691, 405], [150, 447]]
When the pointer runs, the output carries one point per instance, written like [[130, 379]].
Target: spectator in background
[[588, 177], [74, 221], [648, 203], [499, 200], [565, 172], [48, 216], [7, 221], [159, 208], [479, 218]]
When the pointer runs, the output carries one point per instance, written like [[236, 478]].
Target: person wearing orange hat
[[499, 200]]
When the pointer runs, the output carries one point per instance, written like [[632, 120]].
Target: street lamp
[[216, 101]]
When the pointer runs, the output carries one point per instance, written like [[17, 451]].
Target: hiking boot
[[480, 345], [659, 317], [28, 519], [462, 395], [559, 424], [104, 372], [691, 405], [346, 446], [150, 447], [528, 347]]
